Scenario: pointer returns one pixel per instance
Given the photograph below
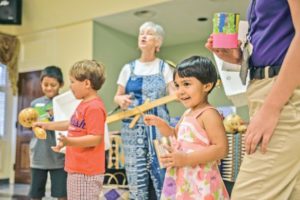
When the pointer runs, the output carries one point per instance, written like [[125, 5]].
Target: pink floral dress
[[201, 182]]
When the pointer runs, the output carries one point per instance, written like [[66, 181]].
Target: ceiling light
[[202, 19], [144, 14]]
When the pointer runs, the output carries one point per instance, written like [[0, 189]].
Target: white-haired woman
[[145, 78]]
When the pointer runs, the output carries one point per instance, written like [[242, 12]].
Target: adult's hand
[[233, 55], [261, 129], [123, 100]]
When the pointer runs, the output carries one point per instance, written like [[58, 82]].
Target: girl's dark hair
[[53, 72], [199, 67]]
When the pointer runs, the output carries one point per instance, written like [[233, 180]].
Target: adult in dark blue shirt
[[274, 101]]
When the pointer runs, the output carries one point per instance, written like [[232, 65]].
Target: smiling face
[[50, 86], [191, 92]]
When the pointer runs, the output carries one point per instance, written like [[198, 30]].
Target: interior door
[[28, 89]]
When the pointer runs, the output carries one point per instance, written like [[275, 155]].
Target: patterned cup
[[225, 30]]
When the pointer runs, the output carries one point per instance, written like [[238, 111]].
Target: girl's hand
[[174, 158], [124, 101], [228, 55], [152, 120]]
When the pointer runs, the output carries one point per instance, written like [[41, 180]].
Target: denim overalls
[[140, 157]]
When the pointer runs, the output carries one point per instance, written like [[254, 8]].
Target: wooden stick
[[142, 108], [137, 117]]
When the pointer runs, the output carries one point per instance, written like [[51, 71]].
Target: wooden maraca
[[27, 117], [160, 149]]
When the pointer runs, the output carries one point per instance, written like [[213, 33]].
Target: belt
[[264, 72]]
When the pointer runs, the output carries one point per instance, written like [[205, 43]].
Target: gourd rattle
[[27, 117]]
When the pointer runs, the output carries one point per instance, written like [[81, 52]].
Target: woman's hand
[[123, 101], [174, 158], [233, 56]]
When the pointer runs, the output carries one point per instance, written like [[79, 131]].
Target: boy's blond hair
[[89, 70]]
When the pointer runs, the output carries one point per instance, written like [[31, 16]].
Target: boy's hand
[[233, 56], [61, 144], [152, 120], [43, 125], [174, 158], [58, 147]]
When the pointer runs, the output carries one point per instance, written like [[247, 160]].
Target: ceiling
[[177, 17]]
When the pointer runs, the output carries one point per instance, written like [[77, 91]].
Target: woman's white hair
[[158, 29]]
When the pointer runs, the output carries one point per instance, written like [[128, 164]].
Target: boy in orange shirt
[[85, 158]]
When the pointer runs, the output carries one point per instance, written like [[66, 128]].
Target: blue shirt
[[271, 31]]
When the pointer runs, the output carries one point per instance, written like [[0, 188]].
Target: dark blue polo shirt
[[271, 31]]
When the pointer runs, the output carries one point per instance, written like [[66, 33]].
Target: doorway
[[29, 88]]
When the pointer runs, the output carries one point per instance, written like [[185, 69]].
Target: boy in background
[[42, 158]]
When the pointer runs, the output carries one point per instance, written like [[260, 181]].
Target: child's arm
[[211, 121], [163, 127], [82, 141], [94, 126], [53, 126]]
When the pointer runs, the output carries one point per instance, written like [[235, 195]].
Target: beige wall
[[3, 158], [41, 15], [59, 46]]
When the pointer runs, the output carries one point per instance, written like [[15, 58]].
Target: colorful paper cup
[[225, 30]]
